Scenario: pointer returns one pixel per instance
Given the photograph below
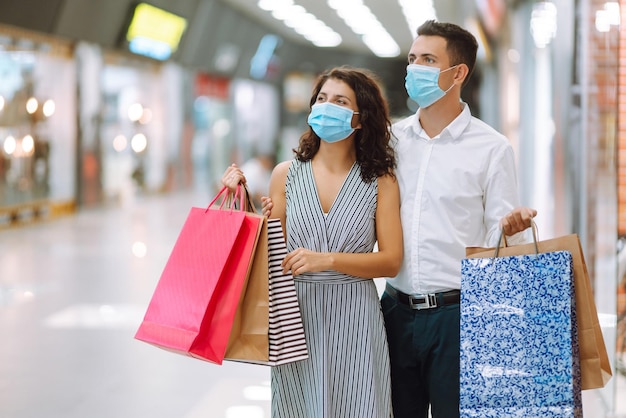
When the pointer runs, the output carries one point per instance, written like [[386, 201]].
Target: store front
[[37, 126]]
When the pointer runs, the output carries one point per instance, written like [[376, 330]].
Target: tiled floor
[[72, 293]]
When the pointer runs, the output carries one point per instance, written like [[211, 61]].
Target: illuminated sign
[[154, 32]]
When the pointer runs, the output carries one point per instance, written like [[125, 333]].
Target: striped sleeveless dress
[[347, 373]]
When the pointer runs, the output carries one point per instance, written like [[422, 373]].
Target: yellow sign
[[157, 24]]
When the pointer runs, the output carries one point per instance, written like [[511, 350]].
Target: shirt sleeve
[[501, 196]]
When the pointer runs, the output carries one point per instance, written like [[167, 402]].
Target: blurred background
[[117, 115]]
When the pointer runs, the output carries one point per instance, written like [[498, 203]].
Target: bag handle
[[228, 192], [249, 203], [533, 226]]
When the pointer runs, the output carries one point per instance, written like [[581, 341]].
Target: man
[[458, 188]]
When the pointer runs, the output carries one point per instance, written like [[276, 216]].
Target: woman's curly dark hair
[[374, 153]]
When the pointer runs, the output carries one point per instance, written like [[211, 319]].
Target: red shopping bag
[[193, 306]]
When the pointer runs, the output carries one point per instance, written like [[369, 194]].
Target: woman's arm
[[383, 263], [277, 194]]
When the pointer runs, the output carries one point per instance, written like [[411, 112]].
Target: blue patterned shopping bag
[[518, 351]]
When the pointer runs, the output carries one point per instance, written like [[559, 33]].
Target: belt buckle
[[425, 301]]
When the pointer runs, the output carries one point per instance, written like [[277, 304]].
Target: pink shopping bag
[[193, 306]]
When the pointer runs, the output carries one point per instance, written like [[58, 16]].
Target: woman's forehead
[[335, 87]]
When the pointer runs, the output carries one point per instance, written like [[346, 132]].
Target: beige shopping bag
[[268, 326], [249, 334]]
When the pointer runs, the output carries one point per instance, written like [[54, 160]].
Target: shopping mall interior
[[117, 117]]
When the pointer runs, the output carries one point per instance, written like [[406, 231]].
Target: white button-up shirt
[[454, 190]]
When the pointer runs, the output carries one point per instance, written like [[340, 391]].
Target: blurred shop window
[[24, 133], [297, 89], [211, 143], [37, 128], [264, 65]]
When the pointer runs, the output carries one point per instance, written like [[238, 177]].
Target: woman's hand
[[267, 206], [232, 177], [302, 261]]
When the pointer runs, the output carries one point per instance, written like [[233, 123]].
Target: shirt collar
[[453, 130]]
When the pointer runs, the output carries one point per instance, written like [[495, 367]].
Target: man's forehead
[[429, 46]]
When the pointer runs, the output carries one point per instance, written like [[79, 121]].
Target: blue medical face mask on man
[[331, 122], [422, 84]]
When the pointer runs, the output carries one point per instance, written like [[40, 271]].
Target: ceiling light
[[326, 40], [302, 22], [417, 12], [381, 44], [270, 5], [292, 12], [363, 22]]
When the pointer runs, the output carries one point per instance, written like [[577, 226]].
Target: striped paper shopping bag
[[268, 327]]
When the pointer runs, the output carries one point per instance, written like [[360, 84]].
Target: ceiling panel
[[217, 28], [21, 13], [388, 12], [97, 21]]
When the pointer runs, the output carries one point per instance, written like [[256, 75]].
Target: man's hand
[[517, 220]]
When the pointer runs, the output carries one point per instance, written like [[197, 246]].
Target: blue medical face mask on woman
[[422, 84], [331, 122]]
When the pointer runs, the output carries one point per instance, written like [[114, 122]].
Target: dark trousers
[[424, 347]]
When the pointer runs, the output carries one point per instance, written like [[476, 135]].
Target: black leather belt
[[426, 300]]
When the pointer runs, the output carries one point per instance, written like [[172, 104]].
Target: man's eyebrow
[[424, 55]]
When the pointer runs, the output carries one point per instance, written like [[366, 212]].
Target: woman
[[336, 199]]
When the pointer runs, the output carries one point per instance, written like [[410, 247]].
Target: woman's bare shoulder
[[387, 180], [281, 169], [283, 165]]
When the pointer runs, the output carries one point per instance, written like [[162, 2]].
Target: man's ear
[[461, 74]]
